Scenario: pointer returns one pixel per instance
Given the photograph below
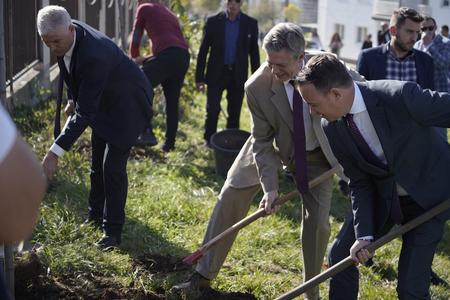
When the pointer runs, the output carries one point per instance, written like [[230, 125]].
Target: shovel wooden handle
[[347, 262], [261, 212]]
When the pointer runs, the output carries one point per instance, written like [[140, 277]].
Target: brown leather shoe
[[195, 282]]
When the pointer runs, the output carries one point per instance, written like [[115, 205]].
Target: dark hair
[[324, 71], [400, 15], [428, 18], [444, 27]]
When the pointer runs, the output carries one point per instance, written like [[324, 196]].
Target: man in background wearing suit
[[398, 60], [230, 37], [271, 100], [378, 131], [112, 96]]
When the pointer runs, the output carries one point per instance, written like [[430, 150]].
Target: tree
[[292, 13], [205, 7], [266, 13]]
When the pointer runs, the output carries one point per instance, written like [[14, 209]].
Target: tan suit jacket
[[271, 142]]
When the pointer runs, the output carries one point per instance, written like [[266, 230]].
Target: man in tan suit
[[271, 146]]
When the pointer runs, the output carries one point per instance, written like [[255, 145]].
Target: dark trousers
[[109, 185], [168, 68], [414, 266], [235, 95]]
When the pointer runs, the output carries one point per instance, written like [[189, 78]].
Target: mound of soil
[[210, 294], [33, 282]]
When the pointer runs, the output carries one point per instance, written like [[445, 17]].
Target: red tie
[[299, 143]]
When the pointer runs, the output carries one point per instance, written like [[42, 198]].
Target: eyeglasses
[[427, 28]]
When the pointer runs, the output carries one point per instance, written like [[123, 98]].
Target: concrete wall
[[352, 14]]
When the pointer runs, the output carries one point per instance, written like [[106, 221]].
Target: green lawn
[[169, 203]]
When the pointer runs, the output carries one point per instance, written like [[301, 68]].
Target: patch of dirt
[[155, 264], [33, 282], [210, 294]]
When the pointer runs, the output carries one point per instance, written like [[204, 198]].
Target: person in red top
[[167, 65]]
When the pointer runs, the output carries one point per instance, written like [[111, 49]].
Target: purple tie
[[299, 143], [367, 153]]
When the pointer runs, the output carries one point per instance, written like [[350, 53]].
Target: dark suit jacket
[[372, 65], [214, 42], [417, 156], [111, 93]]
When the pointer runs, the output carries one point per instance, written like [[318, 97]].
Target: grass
[[169, 203]]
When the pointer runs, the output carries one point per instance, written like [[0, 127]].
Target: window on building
[[445, 3], [361, 34], [339, 28]]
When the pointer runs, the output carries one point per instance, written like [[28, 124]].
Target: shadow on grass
[[386, 271]]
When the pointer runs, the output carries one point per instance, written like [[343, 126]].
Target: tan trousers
[[234, 203]]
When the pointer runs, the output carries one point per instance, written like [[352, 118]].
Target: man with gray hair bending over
[[112, 96]]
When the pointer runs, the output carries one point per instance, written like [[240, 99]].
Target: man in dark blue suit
[[378, 131], [112, 96], [230, 38]]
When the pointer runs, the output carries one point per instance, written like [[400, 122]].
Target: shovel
[[194, 257], [347, 262]]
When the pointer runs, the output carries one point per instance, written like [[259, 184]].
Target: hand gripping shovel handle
[[194, 257], [347, 262]]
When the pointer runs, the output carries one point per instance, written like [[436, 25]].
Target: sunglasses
[[427, 28]]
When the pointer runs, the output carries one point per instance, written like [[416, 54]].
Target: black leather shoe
[[436, 280], [108, 242], [168, 146], [147, 138]]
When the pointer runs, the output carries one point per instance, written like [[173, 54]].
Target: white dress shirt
[[55, 148], [311, 139]]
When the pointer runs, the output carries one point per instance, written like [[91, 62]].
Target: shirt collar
[[70, 52], [358, 105]]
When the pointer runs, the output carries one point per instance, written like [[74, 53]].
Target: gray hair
[[287, 36], [52, 18]]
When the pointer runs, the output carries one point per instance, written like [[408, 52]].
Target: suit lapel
[[280, 100], [79, 38], [379, 121], [242, 31]]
